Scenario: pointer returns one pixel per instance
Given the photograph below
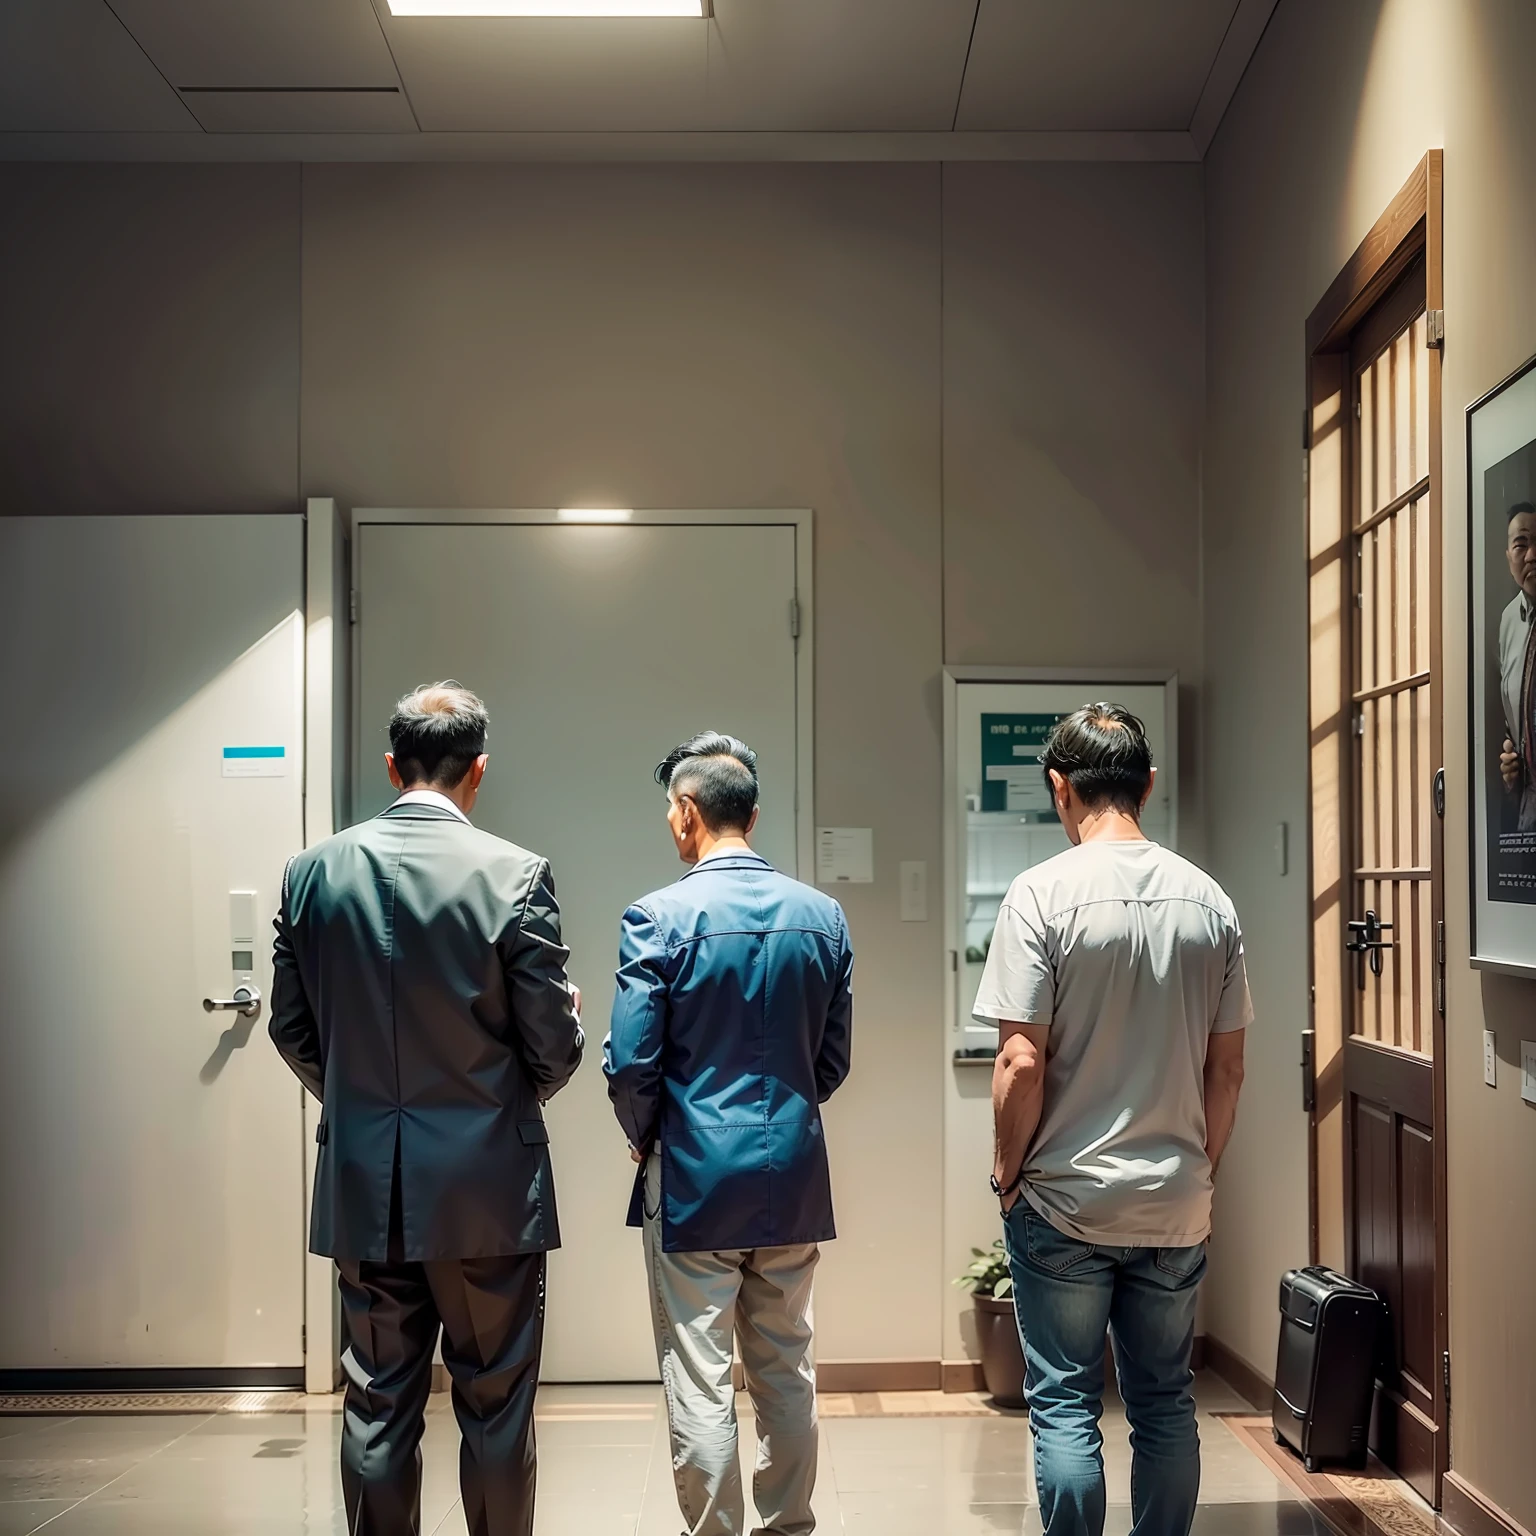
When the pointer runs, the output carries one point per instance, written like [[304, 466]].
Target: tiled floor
[[603, 1470]]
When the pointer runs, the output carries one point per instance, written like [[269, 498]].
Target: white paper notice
[[845, 855]]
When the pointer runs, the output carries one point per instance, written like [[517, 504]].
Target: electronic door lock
[[246, 1002]]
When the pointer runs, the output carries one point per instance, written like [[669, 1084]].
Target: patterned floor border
[[833, 1405], [71, 1404], [1369, 1503]]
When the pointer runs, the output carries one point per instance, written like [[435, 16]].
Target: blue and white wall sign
[[255, 762]]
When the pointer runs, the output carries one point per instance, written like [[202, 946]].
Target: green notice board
[[1011, 779]]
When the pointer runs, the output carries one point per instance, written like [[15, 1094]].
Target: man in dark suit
[[732, 1026], [419, 991]]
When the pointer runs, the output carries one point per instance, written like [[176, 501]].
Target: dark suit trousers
[[491, 1312]]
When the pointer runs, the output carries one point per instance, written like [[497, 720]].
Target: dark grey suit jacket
[[419, 991]]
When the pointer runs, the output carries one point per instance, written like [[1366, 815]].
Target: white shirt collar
[[432, 797]]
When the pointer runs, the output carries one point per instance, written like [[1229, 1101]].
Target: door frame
[[1411, 227], [326, 809], [801, 519]]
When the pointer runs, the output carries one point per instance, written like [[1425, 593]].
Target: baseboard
[[1466, 1512], [962, 1376], [879, 1375], [1238, 1374], [965, 1375]]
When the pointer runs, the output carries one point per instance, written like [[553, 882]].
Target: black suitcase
[[1325, 1374]]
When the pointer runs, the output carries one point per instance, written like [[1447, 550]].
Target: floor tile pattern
[[892, 1464]]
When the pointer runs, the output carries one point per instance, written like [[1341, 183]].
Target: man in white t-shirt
[[1116, 980]]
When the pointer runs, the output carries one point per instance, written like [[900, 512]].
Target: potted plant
[[997, 1331]]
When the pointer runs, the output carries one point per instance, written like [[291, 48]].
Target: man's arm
[[1018, 1096], [1223, 1083], [542, 1001], [632, 1051], [292, 1026], [836, 1054]]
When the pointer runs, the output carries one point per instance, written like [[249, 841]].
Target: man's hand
[[1018, 1096], [638, 1154], [576, 1001], [1509, 765]]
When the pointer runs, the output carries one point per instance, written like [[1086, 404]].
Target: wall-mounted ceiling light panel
[[695, 8], [595, 514]]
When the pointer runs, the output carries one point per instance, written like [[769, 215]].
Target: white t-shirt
[[1134, 958]]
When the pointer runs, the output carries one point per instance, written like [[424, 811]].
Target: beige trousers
[[699, 1301]]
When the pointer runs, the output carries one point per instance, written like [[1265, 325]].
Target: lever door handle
[[246, 1002]]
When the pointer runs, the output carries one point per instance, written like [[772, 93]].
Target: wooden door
[[1394, 923], [1377, 799]]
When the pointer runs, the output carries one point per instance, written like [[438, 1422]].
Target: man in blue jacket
[[731, 1027]]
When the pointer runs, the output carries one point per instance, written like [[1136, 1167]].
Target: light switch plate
[[914, 891], [1528, 1071], [1490, 1058]]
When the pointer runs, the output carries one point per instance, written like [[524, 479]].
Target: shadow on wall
[[91, 687]]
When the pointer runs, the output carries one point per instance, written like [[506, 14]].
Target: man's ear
[[752, 822], [1061, 791], [1151, 785], [477, 769], [393, 772]]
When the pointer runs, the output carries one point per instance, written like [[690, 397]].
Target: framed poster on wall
[[1501, 503]]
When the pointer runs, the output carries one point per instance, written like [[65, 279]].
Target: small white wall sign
[[845, 855], [255, 762]]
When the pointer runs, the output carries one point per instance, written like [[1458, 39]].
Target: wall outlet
[[1528, 1071], [1490, 1058]]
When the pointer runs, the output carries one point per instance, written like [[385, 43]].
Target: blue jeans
[[1066, 1295]]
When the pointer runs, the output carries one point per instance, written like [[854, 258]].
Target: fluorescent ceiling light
[[693, 8], [595, 514]]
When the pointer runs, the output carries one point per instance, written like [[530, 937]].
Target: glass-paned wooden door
[[1392, 918], [1393, 928]]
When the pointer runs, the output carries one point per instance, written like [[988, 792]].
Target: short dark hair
[[1101, 751], [719, 774], [1518, 508], [436, 733]]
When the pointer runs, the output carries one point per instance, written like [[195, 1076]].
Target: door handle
[[246, 1002], [1368, 940]]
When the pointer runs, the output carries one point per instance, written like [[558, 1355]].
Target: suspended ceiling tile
[[827, 65], [262, 42], [1091, 64], [504, 74], [356, 111], [67, 66]]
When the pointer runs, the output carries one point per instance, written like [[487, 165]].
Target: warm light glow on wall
[[595, 514]]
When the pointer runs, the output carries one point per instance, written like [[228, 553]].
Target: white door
[[596, 649], [151, 1153]]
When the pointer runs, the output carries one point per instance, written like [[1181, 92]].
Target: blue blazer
[[731, 1027]]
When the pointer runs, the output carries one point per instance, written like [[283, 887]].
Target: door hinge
[[1445, 1368], [352, 605], [794, 618], [1360, 725], [1357, 408], [303, 1338], [1440, 970], [1434, 328], [1309, 1070]]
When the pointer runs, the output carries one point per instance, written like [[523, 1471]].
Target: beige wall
[[1073, 398], [150, 325], [698, 336], [1339, 105]]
